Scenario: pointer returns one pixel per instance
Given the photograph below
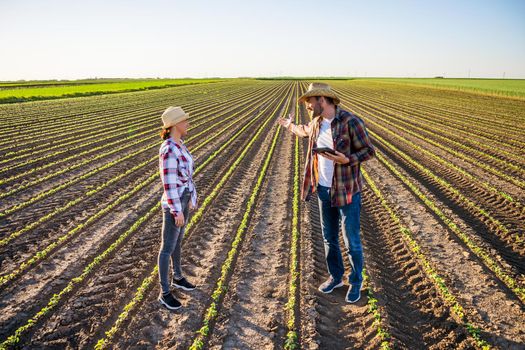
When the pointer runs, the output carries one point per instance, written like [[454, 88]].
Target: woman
[[176, 170]]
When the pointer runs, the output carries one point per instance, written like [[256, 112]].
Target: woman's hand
[[179, 219], [339, 158]]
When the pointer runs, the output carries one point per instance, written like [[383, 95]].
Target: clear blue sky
[[77, 39]]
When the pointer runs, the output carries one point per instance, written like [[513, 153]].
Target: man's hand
[[179, 219], [285, 122], [193, 207], [339, 158]]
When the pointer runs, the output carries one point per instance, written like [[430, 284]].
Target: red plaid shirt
[[350, 138], [176, 168]]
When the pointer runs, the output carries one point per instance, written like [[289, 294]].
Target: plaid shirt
[[176, 168], [350, 138]]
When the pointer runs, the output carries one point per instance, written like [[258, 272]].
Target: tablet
[[324, 150]]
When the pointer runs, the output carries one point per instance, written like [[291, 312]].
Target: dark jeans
[[171, 243], [349, 216]]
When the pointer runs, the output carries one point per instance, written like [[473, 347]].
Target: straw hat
[[319, 89], [173, 115]]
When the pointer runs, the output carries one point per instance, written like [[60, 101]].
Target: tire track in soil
[[487, 301], [57, 282], [253, 313], [416, 316], [79, 322]]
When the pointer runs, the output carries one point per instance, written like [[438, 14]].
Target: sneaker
[[182, 284], [354, 293], [330, 285], [170, 301]]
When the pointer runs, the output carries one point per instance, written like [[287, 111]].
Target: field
[[443, 222], [498, 87], [12, 92]]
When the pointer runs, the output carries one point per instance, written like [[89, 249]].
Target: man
[[337, 180]]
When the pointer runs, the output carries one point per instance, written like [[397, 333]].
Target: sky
[[44, 39]]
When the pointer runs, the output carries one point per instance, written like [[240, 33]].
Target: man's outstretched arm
[[299, 130]]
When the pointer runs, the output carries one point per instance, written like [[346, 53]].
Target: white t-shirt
[[326, 166]]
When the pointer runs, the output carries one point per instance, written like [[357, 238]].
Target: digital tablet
[[324, 150]]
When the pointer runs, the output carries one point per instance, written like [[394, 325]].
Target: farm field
[[443, 222], [498, 87], [12, 92]]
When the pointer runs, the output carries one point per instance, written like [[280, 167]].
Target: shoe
[[170, 301], [354, 293], [330, 285], [182, 284]]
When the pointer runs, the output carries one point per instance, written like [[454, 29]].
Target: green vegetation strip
[[494, 87], [292, 338], [455, 308], [202, 119], [14, 339], [43, 93], [110, 121], [449, 121], [447, 163], [373, 309]]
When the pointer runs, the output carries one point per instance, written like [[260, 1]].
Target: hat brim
[[180, 119], [324, 93]]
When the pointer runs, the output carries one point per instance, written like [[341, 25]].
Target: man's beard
[[316, 111]]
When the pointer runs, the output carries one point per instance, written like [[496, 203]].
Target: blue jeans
[[171, 243], [349, 216]]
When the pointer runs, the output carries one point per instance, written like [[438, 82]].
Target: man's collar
[[338, 112]]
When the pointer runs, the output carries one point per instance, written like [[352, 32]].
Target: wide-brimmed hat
[[319, 89], [172, 116]]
